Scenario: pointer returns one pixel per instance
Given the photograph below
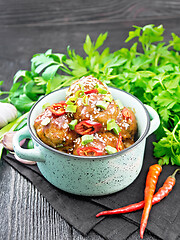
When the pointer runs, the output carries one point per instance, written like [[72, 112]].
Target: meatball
[[127, 122], [88, 107], [100, 141], [54, 131], [94, 113], [85, 83]]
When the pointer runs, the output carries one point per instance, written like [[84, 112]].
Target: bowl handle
[[155, 120], [27, 154]]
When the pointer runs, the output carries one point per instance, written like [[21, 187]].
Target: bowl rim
[[139, 140]]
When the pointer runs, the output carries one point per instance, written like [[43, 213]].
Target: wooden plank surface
[[29, 27]]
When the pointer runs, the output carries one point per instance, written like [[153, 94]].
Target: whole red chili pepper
[[91, 91], [89, 151], [120, 145], [58, 109], [158, 196], [87, 127], [151, 181]]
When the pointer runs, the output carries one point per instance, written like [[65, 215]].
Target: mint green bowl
[[89, 176]]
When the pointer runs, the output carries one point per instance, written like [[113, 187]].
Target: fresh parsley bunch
[[152, 75]]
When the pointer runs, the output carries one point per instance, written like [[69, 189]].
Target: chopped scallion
[[119, 103], [81, 86], [71, 108], [85, 100], [79, 93], [86, 139], [59, 145], [112, 125], [102, 90], [71, 101], [108, 98], [72, 124], [102, 104], [116, 129], [110, 150], [45, 106]]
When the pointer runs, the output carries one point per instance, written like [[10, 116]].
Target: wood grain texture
[[25, 213], [73, 12]]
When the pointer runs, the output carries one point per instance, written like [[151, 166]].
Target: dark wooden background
[[28, 27]]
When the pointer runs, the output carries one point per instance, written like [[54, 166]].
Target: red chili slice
[[89, 151], [87, 127], [120, 145], [91, 91], [126, 113], [58, 109]]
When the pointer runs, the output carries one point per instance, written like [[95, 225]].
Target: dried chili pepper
[[58, 109], [91, 91], [158, 196], [89, 151], [87, 127], [151, 181], [120, 145]]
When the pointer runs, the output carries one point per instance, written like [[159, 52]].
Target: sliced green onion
[[116, 129], [71, 101], [81, 86], [119, 103], [79, 93], [85, 100], [59, 145], [71, 108], [96, 86], [112, 125], [72, 124], [110, 150], [102, 90], [102, 104], [45, 106], [108, 98], [86, 139], [45, 121]]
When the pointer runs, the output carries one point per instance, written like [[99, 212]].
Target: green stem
[[156, 60], [2, 93], [174, 130], [1, 150], [169, 45], [12, 125], [174, 173], [66, 70], [65, 83]]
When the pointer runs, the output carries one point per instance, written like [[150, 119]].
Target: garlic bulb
[[8, 113]]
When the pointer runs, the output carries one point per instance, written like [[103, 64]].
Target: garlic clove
[[7, 141]]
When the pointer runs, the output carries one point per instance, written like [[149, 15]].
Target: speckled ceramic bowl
[[89, 176]]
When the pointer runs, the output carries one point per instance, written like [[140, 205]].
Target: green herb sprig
[[152, 75]]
